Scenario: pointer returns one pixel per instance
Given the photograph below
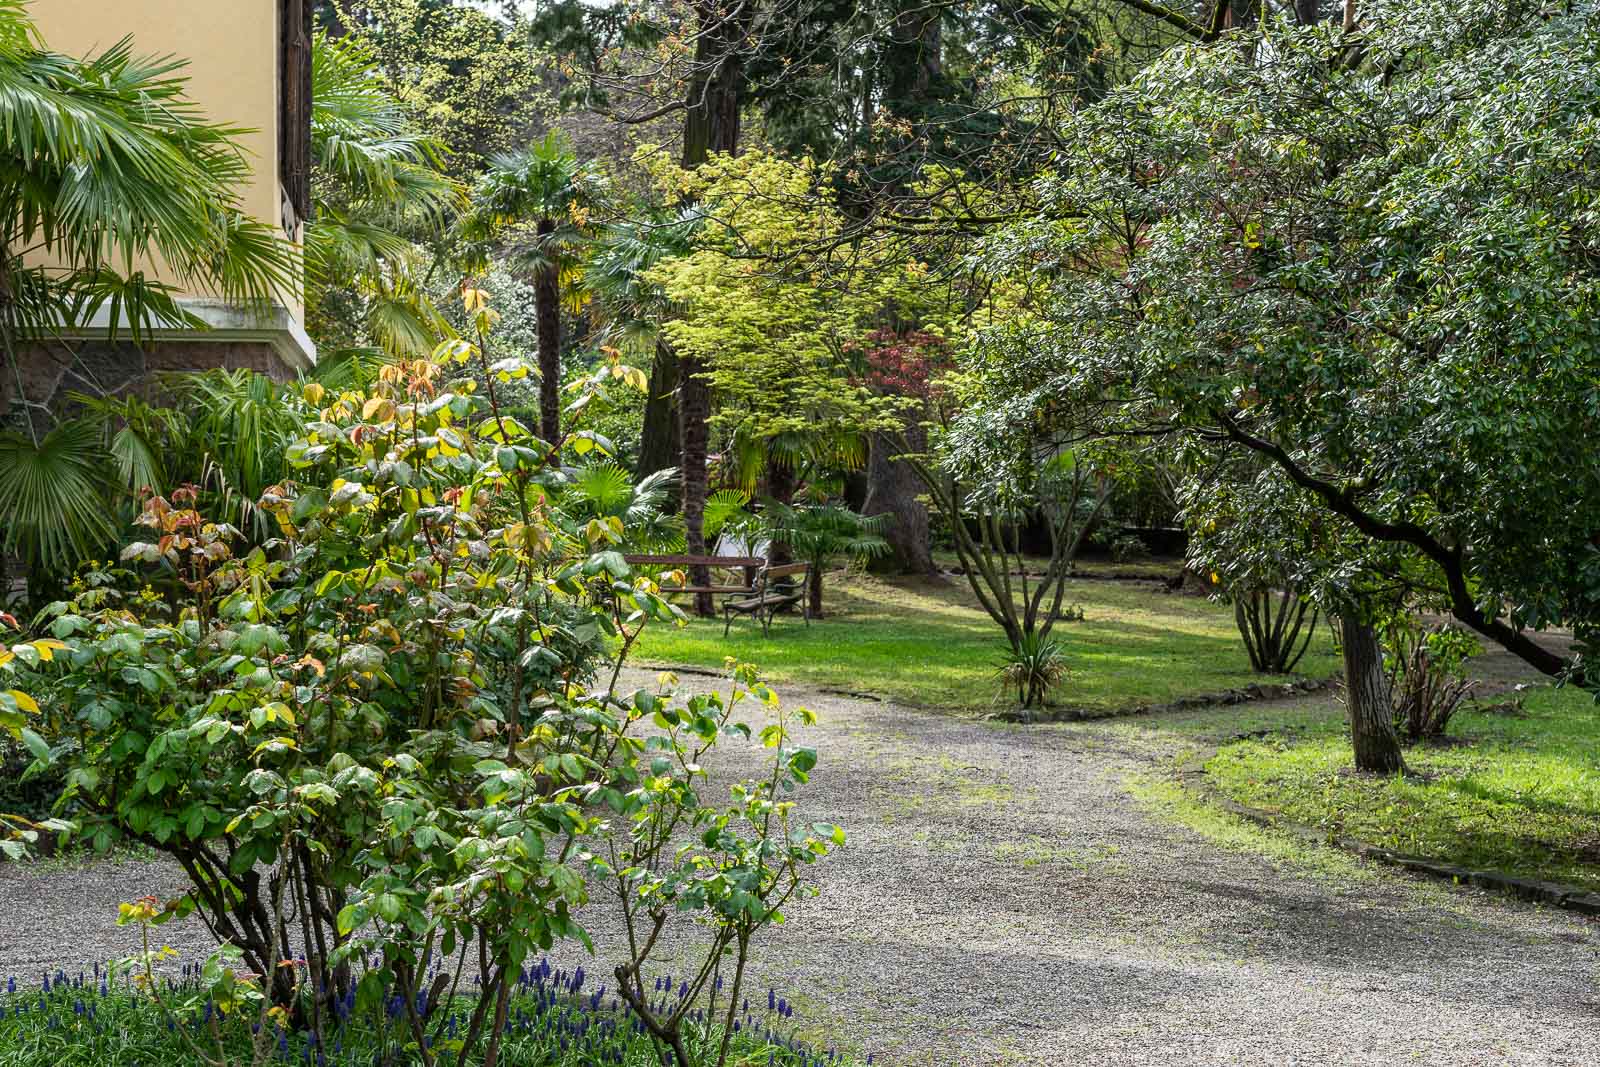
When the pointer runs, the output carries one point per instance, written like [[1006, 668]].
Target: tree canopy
[[1377, 275]]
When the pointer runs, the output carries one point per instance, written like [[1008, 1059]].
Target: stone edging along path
[[1244, 694], [1555, 894]]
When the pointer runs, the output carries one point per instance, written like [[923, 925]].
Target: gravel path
[[1004, 899]]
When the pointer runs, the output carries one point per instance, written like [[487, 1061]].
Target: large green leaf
[[56, 496]]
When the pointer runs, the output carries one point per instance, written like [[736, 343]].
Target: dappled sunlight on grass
[[1512, 793], [929, 643]]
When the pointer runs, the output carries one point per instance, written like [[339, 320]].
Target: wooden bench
[[751, 565], [776, 588]]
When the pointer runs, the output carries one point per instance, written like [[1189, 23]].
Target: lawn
[[1518, 793], [928, 643]]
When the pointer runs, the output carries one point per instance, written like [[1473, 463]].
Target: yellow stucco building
[[249, 65]]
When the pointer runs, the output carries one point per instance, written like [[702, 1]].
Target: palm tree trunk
[[694, 407], [781, 487], [1372, 733], [547, 315]]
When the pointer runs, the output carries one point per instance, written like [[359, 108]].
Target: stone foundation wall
[[49, 373]]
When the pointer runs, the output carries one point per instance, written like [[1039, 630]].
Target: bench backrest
[[787, 570], [695, 561]]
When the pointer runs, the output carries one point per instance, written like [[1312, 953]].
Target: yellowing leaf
[[379, 407], [24, 701]]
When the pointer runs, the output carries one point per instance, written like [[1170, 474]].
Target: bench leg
[[727, 621]]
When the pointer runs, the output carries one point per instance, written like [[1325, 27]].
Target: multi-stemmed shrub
[[391, 748], [1273, 623], [1426, 668]]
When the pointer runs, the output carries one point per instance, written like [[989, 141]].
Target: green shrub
[[30, 795], [1426, 665], [1126, 548], [395, 734], [1033, 670]]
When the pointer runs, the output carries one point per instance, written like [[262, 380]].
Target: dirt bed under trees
[[1004, 898]]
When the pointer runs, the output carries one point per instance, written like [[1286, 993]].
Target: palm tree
[[818, 533], [633, 308], [103, 162], [544, 186], [376, 186]]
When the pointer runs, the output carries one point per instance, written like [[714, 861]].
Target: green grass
[[1164, 797], [1513, 794], [930, 644]]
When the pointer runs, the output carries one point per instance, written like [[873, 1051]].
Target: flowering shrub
[[394, 737], [904, 364], [18, 712]]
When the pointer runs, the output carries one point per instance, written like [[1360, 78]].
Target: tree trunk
[[1308, 12], [659, 445], [893, 488], [547, 314], [711, 121], [694, 407], [814, 582], [711, 124], [1372, 734], [1242, 13], [917, 57], [780, 486]]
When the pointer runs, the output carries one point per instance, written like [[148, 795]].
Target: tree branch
[[1449, 560]]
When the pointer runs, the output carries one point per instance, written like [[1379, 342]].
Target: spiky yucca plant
[[1032, 669]]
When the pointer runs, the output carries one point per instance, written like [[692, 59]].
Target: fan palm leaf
[[55, 495], [376, 185], [367, 150], [106, 160], [105, 163]]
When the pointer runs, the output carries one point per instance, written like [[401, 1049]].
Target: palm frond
[[655, 489], [365, 144], [819, 532], [626, 251], [723, 508], [121, 163], [56, 496], [348, 368], [138, 460], [602, 489]]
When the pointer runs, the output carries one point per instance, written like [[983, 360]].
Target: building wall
[[232, 49], [50, 373]]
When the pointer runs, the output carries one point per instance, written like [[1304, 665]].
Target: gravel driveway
[[1004, 899]]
